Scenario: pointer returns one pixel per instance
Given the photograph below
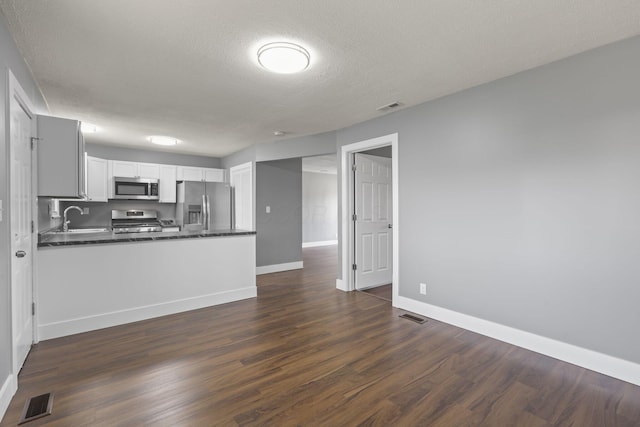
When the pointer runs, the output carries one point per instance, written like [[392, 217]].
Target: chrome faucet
[[65, 222]]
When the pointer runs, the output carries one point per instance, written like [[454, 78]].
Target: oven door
[[135, 188]]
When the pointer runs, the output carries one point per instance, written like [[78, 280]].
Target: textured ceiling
[[187, 68]]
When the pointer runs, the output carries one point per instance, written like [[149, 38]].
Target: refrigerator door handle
[[205, 212], [208, 213]]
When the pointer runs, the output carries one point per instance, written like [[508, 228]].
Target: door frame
[[347, 244], [15, 90]]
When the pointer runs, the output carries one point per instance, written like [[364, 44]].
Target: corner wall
[[279, 233], [519, 201]]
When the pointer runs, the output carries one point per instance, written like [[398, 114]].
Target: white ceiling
[[187, 68]]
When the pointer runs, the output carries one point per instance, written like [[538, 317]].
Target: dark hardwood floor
[[305, 354], [385, 292]]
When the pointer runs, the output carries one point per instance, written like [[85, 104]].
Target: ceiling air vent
[[388, 107]]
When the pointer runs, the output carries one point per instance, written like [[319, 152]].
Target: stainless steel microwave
[[136, 188]]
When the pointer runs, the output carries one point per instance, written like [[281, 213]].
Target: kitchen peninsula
[[92, 281]]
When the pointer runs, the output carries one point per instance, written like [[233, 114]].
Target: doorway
[[353, 235], [21, 128]]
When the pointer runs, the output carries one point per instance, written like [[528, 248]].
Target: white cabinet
[[214, 175], [96, 179], [190, 173], [148, 170], [168, 174], [61, 165], [127, 169], [134, 169]]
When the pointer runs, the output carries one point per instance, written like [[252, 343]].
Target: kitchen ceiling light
[[88, 127], [283, 57], [163, 140]]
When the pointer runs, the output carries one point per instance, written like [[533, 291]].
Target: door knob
[[21, 254], [390, 226]]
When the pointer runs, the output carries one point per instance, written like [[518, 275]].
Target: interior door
[[21, 126], [373, 222]]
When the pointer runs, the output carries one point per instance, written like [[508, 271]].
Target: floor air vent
[[37, 407], [413, 318]]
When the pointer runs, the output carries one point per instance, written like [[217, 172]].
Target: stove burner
[[135, 221]]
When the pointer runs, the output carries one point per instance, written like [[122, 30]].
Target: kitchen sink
[[83, 231]]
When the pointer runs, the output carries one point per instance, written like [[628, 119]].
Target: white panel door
[[21, 238], [373, 225], [241, 180]]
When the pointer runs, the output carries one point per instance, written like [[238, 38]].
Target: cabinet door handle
[[21, 254]]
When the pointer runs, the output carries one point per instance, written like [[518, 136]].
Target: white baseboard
[[608, 365], [106, 320], [319, 243], [9, 388], [340, 285], [275, 268]]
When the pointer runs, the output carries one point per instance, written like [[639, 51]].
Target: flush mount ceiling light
[[163, 140], [283, 57]]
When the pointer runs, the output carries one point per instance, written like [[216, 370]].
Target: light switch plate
[[268, 209]]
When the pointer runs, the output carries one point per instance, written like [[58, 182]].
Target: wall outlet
[[423, 288], [268, 209]]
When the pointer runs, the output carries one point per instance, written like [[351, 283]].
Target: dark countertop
[[57, 239]]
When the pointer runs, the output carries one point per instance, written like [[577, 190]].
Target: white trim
[[275, 268], [319, 243], [340, 285], [7, 392], [106, 320], [589, 359], [347, 281]]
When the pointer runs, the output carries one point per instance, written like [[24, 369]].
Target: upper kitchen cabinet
[[134, 170], [168, 183], [61, 166], [96, 179], [190, 173], [214, 175]]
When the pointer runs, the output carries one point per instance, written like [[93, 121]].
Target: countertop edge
[[141, 238]]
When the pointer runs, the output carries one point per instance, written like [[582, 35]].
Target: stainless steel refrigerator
[[204, 206]]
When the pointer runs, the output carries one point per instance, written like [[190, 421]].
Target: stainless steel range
[[135, 221]]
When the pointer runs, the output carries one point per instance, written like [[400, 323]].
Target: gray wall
[[303, 146], [519, 200], [279, 233], [112, 152], [319, 207], [10, 58]]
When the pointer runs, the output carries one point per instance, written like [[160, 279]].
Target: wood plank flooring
[[385, 292], [306, 354]]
